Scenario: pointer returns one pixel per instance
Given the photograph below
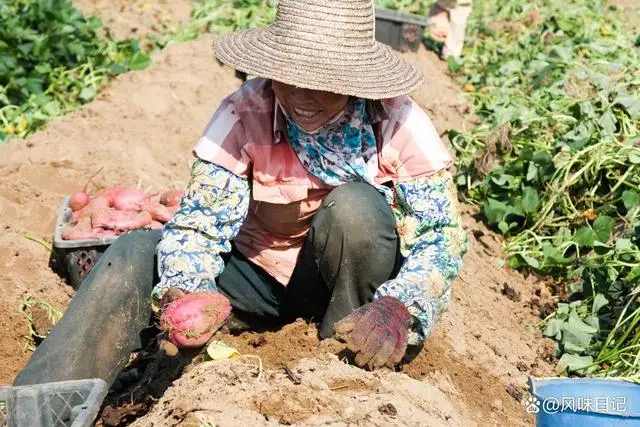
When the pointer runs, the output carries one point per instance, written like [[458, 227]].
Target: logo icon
[[532, 405]]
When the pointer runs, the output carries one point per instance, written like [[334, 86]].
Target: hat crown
[[340, 25]]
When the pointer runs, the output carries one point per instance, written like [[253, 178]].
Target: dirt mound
[[325, 391]]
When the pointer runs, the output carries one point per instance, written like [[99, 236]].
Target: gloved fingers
[[375, 340], [360, 334], [347, 324], [400, 348], [385, 351]]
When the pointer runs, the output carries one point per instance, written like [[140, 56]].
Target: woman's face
[[311, 109]]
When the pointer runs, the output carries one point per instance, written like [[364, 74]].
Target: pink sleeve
[[411, 143], [223, 141]]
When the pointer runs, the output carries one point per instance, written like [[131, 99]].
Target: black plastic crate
[[76, 258], [400, 30]]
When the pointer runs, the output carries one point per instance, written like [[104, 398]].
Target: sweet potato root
[[78, 200], [158, 212], [130, 200], [111, 193], [120, 220]]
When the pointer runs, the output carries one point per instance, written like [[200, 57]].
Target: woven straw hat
[[326, 45]]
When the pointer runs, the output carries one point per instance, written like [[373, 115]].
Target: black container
[[402, 31], [74, 259]]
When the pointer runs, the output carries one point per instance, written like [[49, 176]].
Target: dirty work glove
[[190, 319], [377, 332]]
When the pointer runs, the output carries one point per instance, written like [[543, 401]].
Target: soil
[[141, 130]]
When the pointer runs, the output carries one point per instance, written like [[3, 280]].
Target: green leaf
[[139, 61], [599, 301], [623, 245], [563, 309], [603, 227], [608, 122], [633, 275], [530, 200], [584, 236], [553, 328], [531, 261], [631, 199], [573, 362], [453, 65], [634, 157], [576, 326], [631, 104], [553, 256], [87, 94]]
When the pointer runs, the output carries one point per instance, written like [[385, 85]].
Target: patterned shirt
[[251, 188]]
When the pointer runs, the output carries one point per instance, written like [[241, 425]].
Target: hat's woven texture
[[324, 45]]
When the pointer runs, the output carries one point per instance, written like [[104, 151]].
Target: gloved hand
[[191, 319], [377, 332]]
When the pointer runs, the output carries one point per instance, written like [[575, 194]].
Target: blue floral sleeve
[[210, 216], [433, 242]]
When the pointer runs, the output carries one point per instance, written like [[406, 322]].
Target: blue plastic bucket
[[565, 402]]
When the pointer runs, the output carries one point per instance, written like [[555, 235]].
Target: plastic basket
[[60, 404], [77, 256], [402, 31]]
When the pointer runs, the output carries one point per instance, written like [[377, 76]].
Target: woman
[[447, 24], [320, 190]]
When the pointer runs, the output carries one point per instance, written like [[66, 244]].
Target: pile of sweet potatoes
[[116, 210]]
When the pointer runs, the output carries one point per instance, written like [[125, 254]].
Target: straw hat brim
[[373, 73]]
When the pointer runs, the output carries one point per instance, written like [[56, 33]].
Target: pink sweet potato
[[158, 212], [130, 200], [78, 200], [83, 230], [97, 204], [120, 220], [155, 225], [192, 320], [171, 197], [111, 193]]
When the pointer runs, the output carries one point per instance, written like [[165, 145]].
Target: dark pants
[[351, 248]]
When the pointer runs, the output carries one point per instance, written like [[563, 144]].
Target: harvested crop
[[171, 197], [78, 200], [119, 209], [158, 212], [111, 193], [120, 220], [191, 321], [129, 200]]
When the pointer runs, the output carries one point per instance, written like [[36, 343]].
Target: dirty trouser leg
[[351, 249], [99, 330]]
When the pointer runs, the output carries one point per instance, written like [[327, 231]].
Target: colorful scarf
[[343, 151]]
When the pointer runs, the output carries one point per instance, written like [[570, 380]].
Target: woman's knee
[[358, 209]]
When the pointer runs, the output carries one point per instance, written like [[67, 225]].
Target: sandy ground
[[141, 130]]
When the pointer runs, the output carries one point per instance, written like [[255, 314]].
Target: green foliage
[[51, 61], [224, 16], [554, 163]]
